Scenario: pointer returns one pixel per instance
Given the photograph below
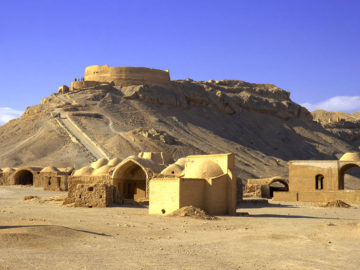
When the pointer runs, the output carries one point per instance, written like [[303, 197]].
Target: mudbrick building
[[204, 181], [320, 180]]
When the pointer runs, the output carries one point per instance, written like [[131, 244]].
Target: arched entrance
[[349, 176], [130, 181], [24, 177], [277, 185]]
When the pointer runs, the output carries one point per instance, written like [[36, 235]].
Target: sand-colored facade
[[49, 178], [320, 180], [116, 181], [203, 181]]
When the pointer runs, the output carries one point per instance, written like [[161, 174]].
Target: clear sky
[[308, 47]]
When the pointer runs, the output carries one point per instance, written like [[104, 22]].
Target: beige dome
[[50, 169], [99, 163], [84, 171], [181, 162], [353, 156], [104, 170], [114, 162], [202, 168], [173, 169], [66, 170], [8, 170]]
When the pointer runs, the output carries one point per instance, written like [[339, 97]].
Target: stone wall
[[94, 195], [53, 181], [74, 181], [125, 76]]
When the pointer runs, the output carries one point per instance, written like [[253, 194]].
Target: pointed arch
[[131, 180]]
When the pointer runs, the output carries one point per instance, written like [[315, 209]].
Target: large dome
[[351, 156], [202, 168]]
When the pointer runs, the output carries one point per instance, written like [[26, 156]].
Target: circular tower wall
[[125, 76]]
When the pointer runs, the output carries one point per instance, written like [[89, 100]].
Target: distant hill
[[258, 122], [345, 126]]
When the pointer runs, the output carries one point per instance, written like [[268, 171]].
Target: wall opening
[[24, 177], [319, 182], [278, 186], [349, 178], [131, 182]]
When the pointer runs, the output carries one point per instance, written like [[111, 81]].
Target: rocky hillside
[[345, 126], [258, 122]]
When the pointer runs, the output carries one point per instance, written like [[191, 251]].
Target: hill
[[258, 122]]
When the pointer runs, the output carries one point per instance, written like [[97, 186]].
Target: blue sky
[[308, 47]]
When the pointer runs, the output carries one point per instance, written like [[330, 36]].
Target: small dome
[[114, 162], [202, 168], [99, 163], [104, 170], [8, 170], [66, 170], [173, 169], [83, 171], [49, 169], [181, 162], [351, 156]]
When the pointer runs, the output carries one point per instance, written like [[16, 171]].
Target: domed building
[[321, 180], [204, 181]]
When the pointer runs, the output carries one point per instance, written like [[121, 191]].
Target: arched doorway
[[278, 185], [349, 176], [130, 181], [24, 177]]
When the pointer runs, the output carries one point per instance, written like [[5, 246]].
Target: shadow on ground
[[51, 226]]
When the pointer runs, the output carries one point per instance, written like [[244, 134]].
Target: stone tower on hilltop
[[121, 76]]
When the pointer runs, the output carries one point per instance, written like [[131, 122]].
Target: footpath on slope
[[89, 144], [79, 136]]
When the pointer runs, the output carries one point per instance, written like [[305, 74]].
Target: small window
[[319, 182]]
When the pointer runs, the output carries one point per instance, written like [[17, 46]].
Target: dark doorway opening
[[24, 177], [131, 182], [277, 186], [319, 182]]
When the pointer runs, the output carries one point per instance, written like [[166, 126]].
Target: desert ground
[[41, 233]]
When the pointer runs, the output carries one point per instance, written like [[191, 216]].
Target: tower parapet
[[125, 76]]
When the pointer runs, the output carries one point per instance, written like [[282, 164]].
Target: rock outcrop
[[343, 125], [227, 96]]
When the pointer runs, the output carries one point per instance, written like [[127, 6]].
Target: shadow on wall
[[349, 177]]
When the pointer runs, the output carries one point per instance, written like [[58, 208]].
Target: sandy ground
[[47, 235]]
